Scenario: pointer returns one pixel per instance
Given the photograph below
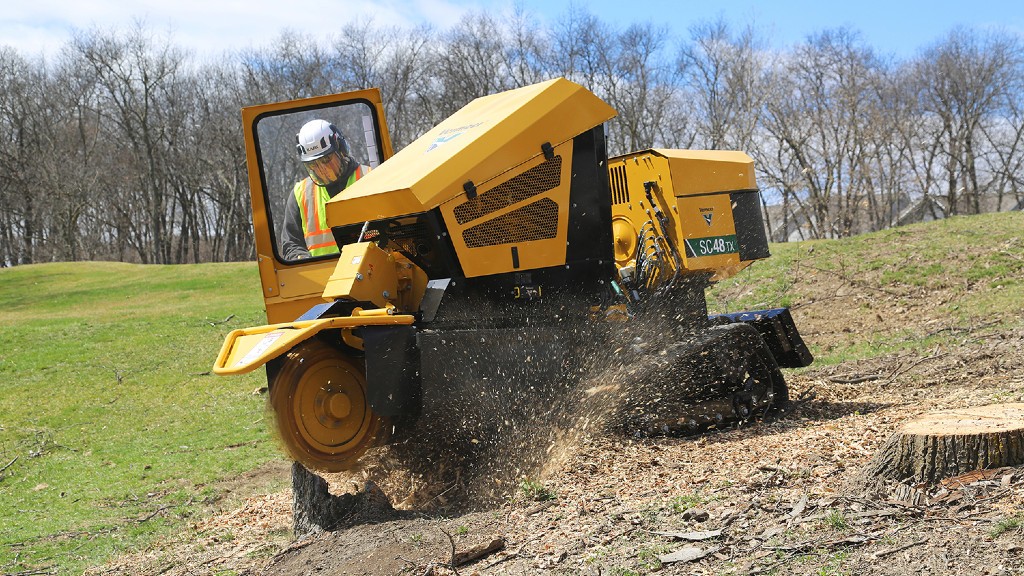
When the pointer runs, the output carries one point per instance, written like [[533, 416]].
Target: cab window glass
[[283, 169]]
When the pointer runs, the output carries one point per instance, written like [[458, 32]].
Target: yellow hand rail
[[246, 349]]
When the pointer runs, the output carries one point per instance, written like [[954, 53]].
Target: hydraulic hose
[[666, 236]]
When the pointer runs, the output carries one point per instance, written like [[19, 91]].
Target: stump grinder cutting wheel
[[491, 265], [319, 401]]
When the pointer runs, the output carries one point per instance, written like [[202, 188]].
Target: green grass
[[684, 502], [1007, 525], [985, 251], [648, 555], [836, 520], [535, 490], [112, 427], [875, 345], [833, 564]]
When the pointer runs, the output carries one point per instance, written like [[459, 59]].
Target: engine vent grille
[[620, 189], [534, 181], [537, 221]]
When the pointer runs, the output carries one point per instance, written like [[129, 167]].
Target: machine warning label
[[260, 347], [711, 246]]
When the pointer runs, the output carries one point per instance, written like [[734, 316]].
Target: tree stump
[[315, 509], [951, 442]]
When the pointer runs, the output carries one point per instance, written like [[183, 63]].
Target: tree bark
[[951, 442]]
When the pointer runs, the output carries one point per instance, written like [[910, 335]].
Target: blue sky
[[210, 27]]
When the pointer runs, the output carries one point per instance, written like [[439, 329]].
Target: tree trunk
[[951, 442]]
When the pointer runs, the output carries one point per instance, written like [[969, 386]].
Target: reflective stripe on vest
[[311, 199]]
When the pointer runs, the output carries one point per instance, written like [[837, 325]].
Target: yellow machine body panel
[[525, 209], [696, 172], [707, 200], [366, 273], [486, 138]]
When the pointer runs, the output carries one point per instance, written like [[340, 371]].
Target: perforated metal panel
[[536, 221], [534, 181]]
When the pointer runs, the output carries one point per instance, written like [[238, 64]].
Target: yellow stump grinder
[[500, 257]]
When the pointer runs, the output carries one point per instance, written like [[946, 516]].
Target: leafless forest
[[125, 146]]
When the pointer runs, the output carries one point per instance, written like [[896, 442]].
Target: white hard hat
[[318, 138]]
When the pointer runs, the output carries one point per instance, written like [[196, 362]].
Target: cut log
[[951, 442]]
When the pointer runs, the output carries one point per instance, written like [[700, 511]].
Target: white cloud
[[209, 27]]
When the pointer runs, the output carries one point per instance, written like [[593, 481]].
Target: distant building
[[925, 209]]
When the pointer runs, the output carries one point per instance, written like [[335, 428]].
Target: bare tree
[[629, 70], [580, 44], [819, 112], [641, 85], [220, 164], [291, 67], [724, 76], [399, 63], [19, 204], [469, 64], [137, 78], [1005, 138], [525, 47], [889, 153], [75, 174], [962, 82]]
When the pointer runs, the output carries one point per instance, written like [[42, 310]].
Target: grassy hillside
[[110, 425], [907, 288]]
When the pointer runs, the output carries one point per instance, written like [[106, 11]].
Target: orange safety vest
[[311, 199]]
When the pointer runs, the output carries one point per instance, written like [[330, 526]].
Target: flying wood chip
[[687, 554], [692, 536]]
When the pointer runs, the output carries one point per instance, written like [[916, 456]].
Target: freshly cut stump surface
[[951, 442]]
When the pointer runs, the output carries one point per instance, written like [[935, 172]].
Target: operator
[[326, 155]]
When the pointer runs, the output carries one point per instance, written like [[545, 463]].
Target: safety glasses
[[325, 169]]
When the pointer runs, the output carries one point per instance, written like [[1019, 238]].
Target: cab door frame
[[290, 288]]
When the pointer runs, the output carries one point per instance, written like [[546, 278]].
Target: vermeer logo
[[449, 134], [707, 213]]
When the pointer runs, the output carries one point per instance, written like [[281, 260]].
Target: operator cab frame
[[291, 287]]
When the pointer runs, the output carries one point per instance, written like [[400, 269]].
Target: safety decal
[[707, 213], [266, 342]]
